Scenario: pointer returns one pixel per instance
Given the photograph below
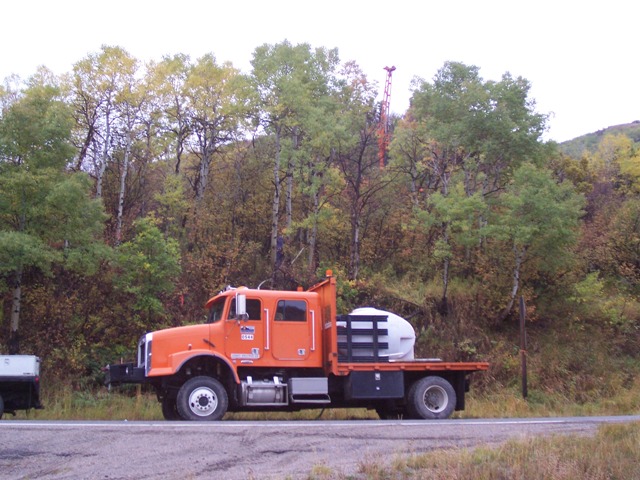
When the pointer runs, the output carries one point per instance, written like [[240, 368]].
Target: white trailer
[[19, 383]]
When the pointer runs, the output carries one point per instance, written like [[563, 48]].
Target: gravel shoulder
[[244, 450]]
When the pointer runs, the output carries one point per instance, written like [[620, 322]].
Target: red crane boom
[[383, 125]]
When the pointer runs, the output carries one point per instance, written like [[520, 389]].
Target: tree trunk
[[515, 285], [16, 302], [205, 165], [354, 266], [123, 179], [275, 206], [313, 234], [444, 302], [180, 136], [105, 156], [289, 195], [85, 147]]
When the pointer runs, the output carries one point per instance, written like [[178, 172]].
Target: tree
[[626, 245], [359, 165], [46, 215], [538, 219], [468, 131], [356, 157], [129, 107], [292, 83], [167, 82], [458, 214], [217, 98], [97, 81], [149, 264]]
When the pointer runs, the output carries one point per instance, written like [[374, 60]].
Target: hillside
[[590, 141], [123, 213]]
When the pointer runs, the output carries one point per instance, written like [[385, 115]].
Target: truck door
[[244, 340], [291, 331]]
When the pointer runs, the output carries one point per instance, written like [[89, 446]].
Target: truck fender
[[178, 360]]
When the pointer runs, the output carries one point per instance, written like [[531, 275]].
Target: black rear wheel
[[431, 398]]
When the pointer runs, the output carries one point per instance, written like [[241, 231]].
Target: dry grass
[[611, 454], [66, 403], [508, 402]]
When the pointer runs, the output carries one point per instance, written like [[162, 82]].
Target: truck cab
[[270, 327]]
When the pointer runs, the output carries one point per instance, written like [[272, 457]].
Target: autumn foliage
[[130, 193]]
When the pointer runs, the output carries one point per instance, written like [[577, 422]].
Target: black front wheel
[[170, 409], [202, 398], [1, 407], [431, 398]]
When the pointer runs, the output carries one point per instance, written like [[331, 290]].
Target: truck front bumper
[[124, 373]]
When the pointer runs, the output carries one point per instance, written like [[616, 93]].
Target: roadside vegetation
[[67, 403], [590, 370], [610, 454], [131, 193]]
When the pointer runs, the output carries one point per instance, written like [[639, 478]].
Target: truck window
[[254, 309], [215, 311], [291, 311]]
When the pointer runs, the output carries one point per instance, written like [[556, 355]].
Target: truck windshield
[[215, 311]]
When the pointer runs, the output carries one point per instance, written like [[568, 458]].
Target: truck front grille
[[144, 352]]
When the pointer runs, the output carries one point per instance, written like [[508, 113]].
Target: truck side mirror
[[241, 307]]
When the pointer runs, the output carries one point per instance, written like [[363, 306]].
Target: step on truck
[[19, 383], [273, 350]]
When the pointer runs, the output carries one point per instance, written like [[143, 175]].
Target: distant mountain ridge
[[590, 141]]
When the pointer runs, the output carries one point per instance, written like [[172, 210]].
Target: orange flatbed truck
[[274, 350]]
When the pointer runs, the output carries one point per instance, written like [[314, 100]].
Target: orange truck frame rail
[[263, 350]]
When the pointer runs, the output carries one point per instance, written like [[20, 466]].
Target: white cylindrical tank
[[400, 339]]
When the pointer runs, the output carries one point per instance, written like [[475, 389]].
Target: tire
[[431, 398], [170, 409], [1, 407], [202, 398]]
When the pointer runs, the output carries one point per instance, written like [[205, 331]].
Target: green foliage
[[595, 302], [461, 213], [587, 293], [47, 218], [35, 129], [473, 206], [538, 215], [149, 264], [172, 206]]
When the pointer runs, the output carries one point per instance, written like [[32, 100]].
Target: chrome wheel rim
[[435, 399], [203, 401]]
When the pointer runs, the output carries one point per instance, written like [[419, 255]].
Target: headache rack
[[359, 339]]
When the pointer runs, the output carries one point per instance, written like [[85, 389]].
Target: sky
[[580, 57]]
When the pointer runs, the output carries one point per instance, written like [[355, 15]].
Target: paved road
[[244, 450]]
